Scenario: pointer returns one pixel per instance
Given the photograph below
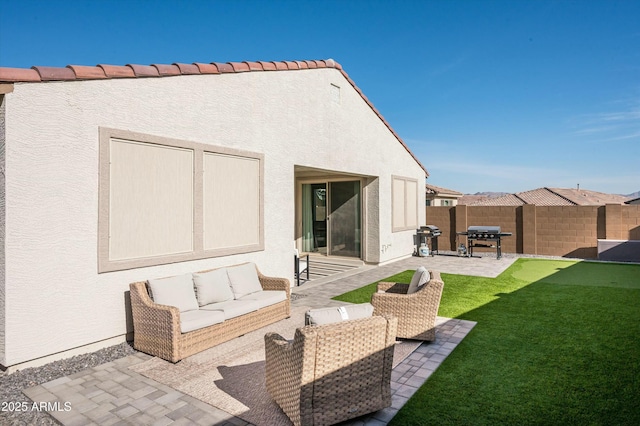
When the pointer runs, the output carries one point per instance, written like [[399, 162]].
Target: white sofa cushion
[[420, 278], [193, 320], [323, 316], [174, 291], [212, 287], [244, 279], [266, 297], [232, 308]]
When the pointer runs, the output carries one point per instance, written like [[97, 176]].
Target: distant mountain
[[634, 195], [489, 194]]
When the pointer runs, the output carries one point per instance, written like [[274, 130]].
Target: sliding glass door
[[331, 218], [314, 217], [344, 218]]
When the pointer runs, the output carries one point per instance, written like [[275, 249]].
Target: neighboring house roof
[[553, 197], [37, 74], [469, 199], [633, 201], [443, 192]]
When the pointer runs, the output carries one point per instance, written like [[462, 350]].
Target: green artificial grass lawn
[[556, 342]]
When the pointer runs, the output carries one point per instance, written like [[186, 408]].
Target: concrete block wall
[[441, 216], [571, 231], [630, 222], [567, 231]]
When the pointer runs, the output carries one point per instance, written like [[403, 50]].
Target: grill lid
[[431, 230], [484, 229], [483, 232]]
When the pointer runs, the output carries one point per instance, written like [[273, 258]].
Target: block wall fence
[[570, 231]]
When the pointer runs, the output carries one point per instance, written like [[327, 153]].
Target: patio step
[[324, 269]]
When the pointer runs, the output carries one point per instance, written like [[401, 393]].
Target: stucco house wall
[[52, 297]]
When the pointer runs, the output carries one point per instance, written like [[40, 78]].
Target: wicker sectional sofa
[[179, 316]]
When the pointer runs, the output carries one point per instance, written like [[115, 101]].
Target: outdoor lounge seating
[[332, 372], [189, 313], [415, 304]]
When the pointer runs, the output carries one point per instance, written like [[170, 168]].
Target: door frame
[[326, 181]]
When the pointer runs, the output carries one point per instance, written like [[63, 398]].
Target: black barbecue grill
[[426, 234], [484, 236]]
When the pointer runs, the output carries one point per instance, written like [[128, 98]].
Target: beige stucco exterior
[[52, 297]]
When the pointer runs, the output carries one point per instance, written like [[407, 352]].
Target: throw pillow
[[323, 316], [244, 279], [175, 291], [212, 287], [420, 278]]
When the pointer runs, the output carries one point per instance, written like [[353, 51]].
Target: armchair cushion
[[174, 291], [420, 278], [244, 279], [212, 287], [331, 315]]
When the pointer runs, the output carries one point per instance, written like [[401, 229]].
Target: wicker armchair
[[416, 312], [334, 372]]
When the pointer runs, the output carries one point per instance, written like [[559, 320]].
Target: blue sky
[[490, 95]]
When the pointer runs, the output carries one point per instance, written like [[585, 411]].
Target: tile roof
[[633, 201], [432, 189], [583, 197], [553, 197], [40, 74]]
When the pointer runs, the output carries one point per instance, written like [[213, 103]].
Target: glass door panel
[[314, 218], [344, 218]]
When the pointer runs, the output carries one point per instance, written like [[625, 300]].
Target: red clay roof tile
[[9, 75], [280, 66], [254, 66], [164, 69], [117, 71], [312, 64], [292, 65], [302, 65], [223, 68], [87, 73], [144, 70], [186, 68], [267, 66], [239, 66], [207, 68], [55, 73]]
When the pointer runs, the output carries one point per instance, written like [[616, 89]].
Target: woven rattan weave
[[156, 328], [334, 372], [416, 312]]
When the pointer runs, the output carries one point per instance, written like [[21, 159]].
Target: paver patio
[[112, 394]]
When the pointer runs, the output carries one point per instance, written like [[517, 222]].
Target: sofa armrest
[[275, 283], [156, 328]]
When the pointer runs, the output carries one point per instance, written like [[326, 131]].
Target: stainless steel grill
[[484, 236], [428, 234]]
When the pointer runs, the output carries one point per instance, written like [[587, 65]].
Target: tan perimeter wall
[[570, 231]]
